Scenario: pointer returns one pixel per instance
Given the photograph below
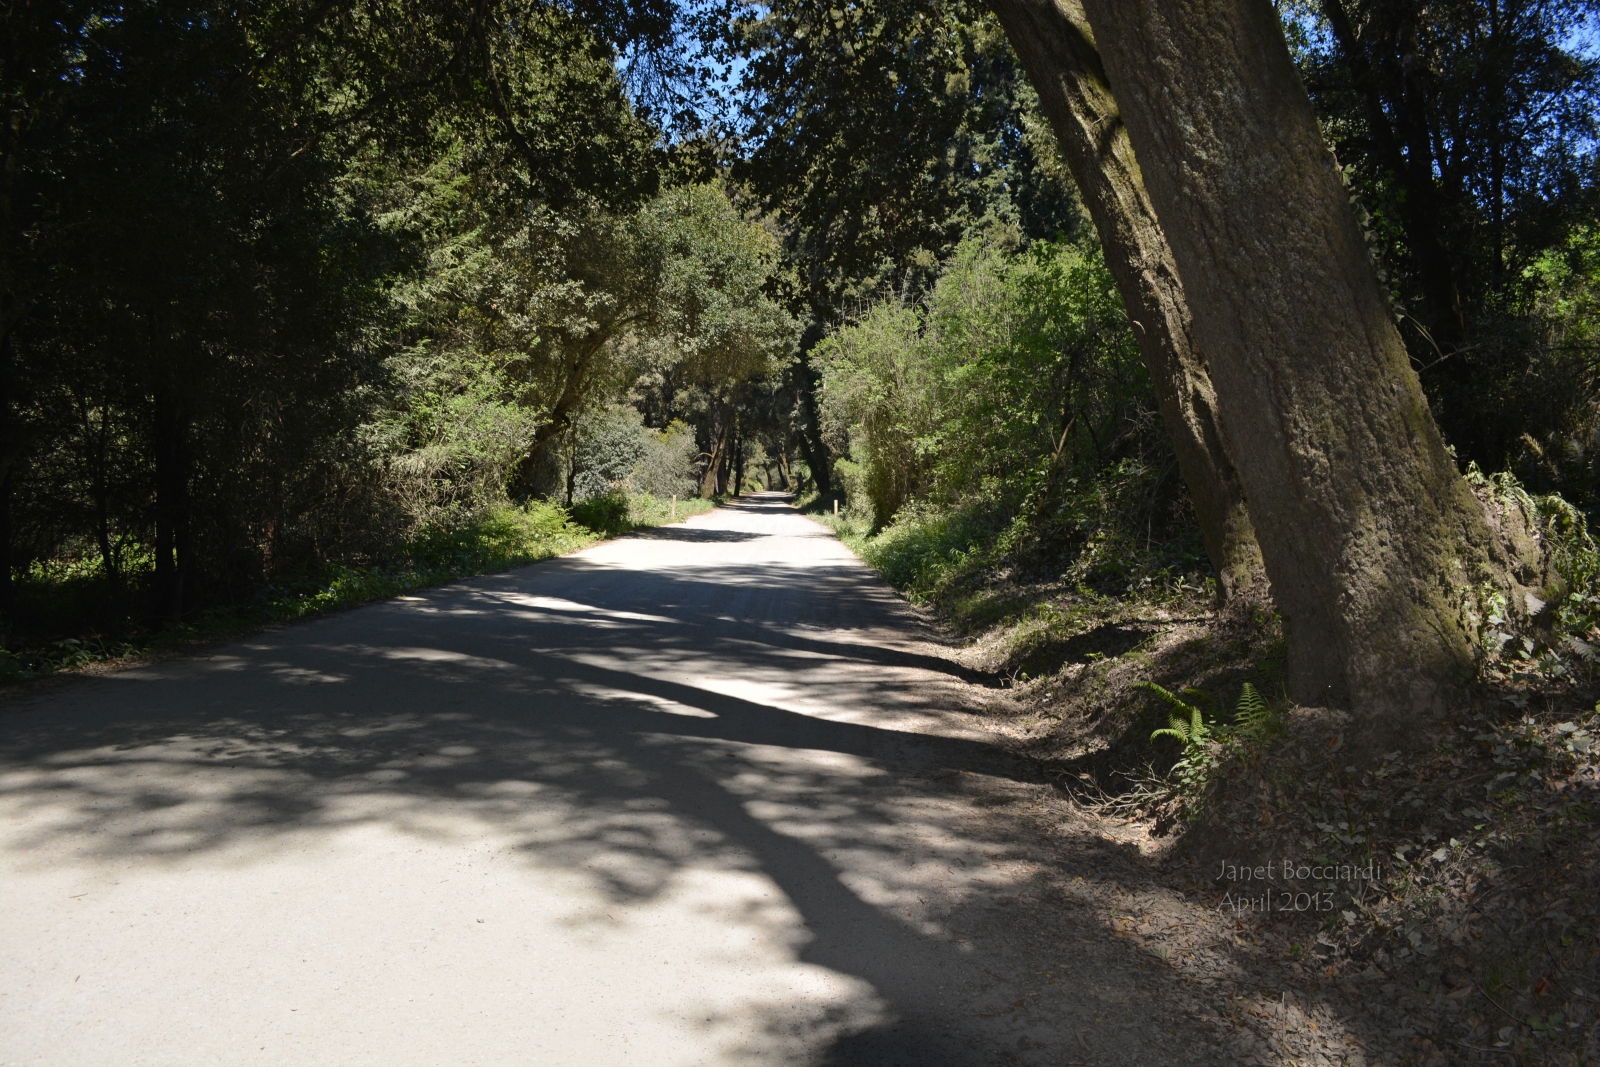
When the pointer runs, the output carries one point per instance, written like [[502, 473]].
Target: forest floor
[[1440, 907], [711, 794]]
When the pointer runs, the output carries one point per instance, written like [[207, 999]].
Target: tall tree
[[41, 43], [1374, 543], [1052, 39], [1470, 130], [1387, 74], [198, 275], [879, 135]]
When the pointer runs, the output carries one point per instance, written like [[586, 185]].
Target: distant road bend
[[702, 796]]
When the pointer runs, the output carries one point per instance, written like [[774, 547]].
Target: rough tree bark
[[575, 385], [738, 460], [173, 563], [1052, 39], [811, 442], [1373, 541], [711, 483]]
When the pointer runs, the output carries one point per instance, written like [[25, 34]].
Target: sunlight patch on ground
[[649, 700], [569, 607]]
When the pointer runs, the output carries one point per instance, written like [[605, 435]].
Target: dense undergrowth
[[496, 539]]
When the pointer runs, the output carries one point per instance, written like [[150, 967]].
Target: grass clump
[[507, 536], [646, 509]]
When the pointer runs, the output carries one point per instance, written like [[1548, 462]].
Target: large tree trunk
[[711, 482], [10, 455], [811, 442], [1052, 40], [172, 505], [97, 445], [575, 386], [1372, 539]]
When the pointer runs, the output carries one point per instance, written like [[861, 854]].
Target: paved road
[[701, 796]]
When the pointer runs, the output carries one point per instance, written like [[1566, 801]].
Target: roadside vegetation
[[497, 539], [358, 335], [1032, 510]]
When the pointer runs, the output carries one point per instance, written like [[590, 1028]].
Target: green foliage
[[494, 539], [1005, 424], [646, 509], [878, 136], [1470, 140], [1565, 640], [1016, 372], [1192, 771], [667, 466], [68, 654], [883, 134], [530, 329], [715, 321], [506, 536], [927, 549], [1206, 745], [1188, 727], [880, 407], [608, 446], [605, 513], [1253, 718], [383, 266]]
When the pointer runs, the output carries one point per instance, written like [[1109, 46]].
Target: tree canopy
[[282, 280]]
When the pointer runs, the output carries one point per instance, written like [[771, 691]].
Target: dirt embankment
[[1435, 906]]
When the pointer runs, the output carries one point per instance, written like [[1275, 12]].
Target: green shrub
[[605, 513], [925, 549], [647, 509], [501, 537], [1018, 369], [1006, 424]]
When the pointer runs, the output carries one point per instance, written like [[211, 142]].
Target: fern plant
[[1574, 619], [1188, 727], [1253, 718], [1193, 769]]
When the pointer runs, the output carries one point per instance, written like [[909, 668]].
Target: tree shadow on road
[[695, 535], [571, 724], [837, 611]]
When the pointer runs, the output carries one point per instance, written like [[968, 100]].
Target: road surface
[[700, 796]]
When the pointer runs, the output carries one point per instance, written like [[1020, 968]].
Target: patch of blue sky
[[690, 88]]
